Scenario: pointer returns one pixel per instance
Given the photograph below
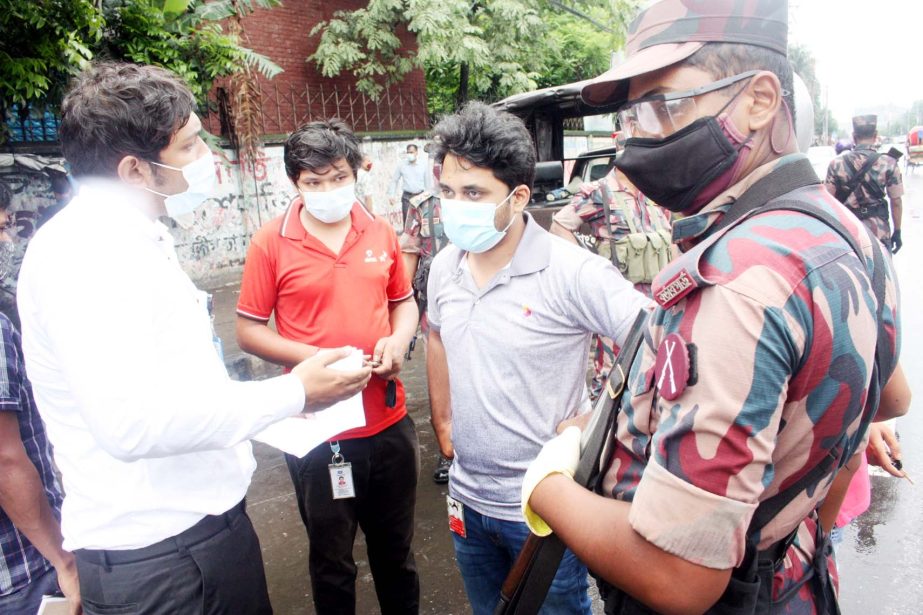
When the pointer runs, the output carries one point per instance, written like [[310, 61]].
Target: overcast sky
[[868, 52]]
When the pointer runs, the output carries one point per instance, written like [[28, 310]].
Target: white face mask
[[331, 206], [200, 175]]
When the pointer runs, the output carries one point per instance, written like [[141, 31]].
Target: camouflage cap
[[865, 123], [672, 30]]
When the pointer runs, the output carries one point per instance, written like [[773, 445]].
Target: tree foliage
[[45, 42], [42, 44], [483, 49]]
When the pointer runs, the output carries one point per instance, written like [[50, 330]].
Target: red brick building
[[301, 93]]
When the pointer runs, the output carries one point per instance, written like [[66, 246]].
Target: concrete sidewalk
[[271, 501]]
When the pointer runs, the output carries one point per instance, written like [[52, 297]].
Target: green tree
[[46, 42], [42, 45], [482, 48]]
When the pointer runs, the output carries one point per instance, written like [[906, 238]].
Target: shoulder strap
[[857, 179], [792, 176]]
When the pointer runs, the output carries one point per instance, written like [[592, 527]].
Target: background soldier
[[631, 216], [861, 179]]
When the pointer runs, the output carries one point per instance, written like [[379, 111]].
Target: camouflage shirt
[[417, 238], [586, 207], [784, 333], [884, 178]]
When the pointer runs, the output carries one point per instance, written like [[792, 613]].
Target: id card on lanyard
[[341, 475]]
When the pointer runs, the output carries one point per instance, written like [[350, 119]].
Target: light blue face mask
[[470, 225]]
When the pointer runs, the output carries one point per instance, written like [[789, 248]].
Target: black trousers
[[213, 568], [385, 469], [405, 205]]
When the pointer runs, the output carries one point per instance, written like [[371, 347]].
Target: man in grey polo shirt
[[511, 311]]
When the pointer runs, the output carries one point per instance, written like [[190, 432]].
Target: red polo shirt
[[329, 300]]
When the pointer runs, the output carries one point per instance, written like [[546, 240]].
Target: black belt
[[200, 532], [879, 210]]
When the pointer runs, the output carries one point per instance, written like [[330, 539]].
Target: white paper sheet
[[52, 605], [298, 436]]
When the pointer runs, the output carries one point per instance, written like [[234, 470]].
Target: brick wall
[[301, 93]]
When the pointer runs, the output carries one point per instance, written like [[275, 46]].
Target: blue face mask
[[470, 225]]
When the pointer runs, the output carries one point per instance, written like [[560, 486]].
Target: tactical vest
[[641, 254]]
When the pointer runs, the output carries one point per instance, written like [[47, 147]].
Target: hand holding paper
[[341, 370], [331, 376]]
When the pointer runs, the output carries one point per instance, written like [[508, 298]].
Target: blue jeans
[[486, 555], [27, 600]]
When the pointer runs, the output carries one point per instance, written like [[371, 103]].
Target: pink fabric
[[858, 496]]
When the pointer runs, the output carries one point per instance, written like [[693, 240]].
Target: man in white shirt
[[150, 433]]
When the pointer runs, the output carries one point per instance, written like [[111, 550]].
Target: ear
[[520, 198], [765, 90], [135, 172]]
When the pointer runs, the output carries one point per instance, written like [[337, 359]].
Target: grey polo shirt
[[517, 353]]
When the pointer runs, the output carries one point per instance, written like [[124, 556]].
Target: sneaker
[[441, 474]]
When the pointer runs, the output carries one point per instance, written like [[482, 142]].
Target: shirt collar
[[534, 250], [292, 228], [119, 204], [687, 231]]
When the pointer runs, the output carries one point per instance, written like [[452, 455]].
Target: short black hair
[[864, 132], [411, 146], [114, 109], [488, 138], [722, 60], [6, 195], [318, 145]]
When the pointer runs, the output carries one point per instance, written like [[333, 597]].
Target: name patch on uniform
[[671, 369], [674, 290]]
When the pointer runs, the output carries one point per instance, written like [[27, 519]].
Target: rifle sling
[[531, 591]]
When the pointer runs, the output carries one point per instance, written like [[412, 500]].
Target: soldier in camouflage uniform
[[758, 372], [419, 244], [882, 179], [586, 208]]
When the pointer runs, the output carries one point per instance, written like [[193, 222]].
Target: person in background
[[630, 213], [33, 562], [865, 181], [364, 184], [413, 176], [423, 238]]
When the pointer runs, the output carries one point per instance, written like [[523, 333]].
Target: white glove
[[560, 455]]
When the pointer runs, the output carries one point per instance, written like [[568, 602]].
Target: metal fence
[[285, 108]]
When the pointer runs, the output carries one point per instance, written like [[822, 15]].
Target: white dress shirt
[[149, 431]]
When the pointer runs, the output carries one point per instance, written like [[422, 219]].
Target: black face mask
[[673, 171]]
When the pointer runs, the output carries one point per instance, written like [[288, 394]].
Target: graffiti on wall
[[213, 249]]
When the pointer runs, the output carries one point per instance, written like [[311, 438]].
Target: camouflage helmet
[[672, 30]]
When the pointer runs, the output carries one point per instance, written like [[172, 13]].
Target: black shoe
[[441, 475]]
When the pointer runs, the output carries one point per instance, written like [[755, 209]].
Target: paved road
[[880, 560]]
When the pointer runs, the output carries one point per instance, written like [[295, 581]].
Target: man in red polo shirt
[[333, 275]]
